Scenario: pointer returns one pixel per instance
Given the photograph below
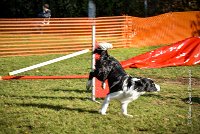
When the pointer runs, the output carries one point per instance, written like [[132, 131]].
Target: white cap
[[105, 45]]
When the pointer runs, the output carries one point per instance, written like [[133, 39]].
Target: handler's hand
[[103, 85], [89, 84]]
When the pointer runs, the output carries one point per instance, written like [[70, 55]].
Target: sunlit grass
[[64, 106]]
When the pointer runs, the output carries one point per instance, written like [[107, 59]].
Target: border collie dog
[[122, 87]]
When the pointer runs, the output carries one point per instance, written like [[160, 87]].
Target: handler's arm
[[91, 75]]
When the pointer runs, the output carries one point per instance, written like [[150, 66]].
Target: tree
[[78, 8]]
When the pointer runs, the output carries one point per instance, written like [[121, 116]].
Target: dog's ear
[[149, 85], [140, 85]]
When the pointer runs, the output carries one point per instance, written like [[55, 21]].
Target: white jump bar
[[48, 62]]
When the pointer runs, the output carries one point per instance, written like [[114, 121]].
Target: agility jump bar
[[43, 77], [48, 62]]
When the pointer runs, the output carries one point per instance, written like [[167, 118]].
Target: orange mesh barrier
[[19, 37], [58, 35], [165, 29]]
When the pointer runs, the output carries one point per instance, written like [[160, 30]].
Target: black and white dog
[[122, 86]]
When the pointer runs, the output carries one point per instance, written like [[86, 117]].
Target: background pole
[[145, 8]]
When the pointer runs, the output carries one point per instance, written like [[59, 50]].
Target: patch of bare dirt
[[184, 81]]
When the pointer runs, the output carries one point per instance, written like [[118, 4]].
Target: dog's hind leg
[[124, 109], [115, 95]]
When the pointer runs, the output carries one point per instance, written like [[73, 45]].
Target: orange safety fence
[[165, 29], [34, 36]]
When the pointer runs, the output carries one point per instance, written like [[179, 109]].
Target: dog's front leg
[[89, 84], [124, 109], [103, 85], [105, 105]]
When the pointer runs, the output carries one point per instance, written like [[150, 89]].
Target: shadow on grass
[[193, 100], [58, 97], [158, 96], [72, 90], [56, 107], [51, 97], [153, 95]]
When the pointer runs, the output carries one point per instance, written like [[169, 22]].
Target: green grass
[[64, 106]]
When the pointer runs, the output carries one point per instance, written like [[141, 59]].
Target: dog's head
[[146, 85]]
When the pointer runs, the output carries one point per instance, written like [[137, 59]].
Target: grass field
[[64, 106]]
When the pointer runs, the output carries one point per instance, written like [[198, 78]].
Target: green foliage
[[78, 8], [64, 106]]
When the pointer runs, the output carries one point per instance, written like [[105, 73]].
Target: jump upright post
[[91, 15]]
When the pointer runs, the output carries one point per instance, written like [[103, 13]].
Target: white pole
[[48, 62], [92, 15], [93, 60]]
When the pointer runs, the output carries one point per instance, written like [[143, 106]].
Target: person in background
[[46, 14]]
